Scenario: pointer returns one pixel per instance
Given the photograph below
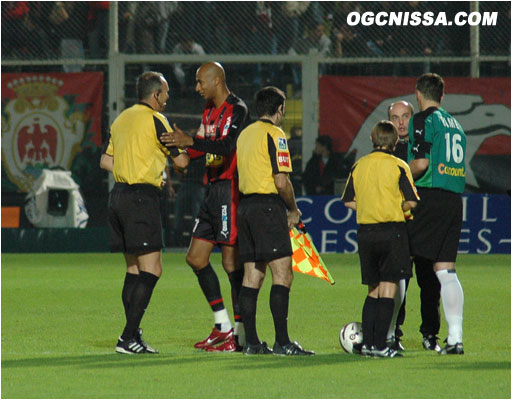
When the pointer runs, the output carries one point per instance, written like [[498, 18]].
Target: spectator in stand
[[65, 24], [287, 17], [151, 25], [22, 35], [69, 21], [186, 74], [261, 39], [346, 41], [127, 26], [97, 31], [379, 39], [167, 9], [317, 41], [418, 41], [322, 169], [196, 17]]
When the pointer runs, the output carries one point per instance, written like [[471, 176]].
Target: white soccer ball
[[350, 335]]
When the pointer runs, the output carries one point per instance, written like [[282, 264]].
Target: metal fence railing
[[79, 29]]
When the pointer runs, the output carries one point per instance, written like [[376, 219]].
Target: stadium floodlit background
[[258, 43]]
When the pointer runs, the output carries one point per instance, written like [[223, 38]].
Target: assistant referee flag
[[305, 257]]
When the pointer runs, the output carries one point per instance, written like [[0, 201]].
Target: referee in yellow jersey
[[137, 158], [267, 210], [380, 188]]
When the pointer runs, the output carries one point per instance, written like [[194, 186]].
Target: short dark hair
[[268, 101], [431, 86], [384, 134], [147, 83], [325, 140]]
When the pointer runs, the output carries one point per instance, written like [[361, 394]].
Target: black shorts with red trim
[[134, 218], [217, 219], [434, 232], [383, 252], [263, 229]]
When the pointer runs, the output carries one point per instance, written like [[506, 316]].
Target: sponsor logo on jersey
[[283, 159], [226, 126], [225, 231], [214, 160], [445, 170], [210, 130], [282, 144]]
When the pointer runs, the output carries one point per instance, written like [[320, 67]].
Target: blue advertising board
[[485, 228]]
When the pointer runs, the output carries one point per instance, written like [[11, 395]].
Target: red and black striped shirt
[[217, 137]]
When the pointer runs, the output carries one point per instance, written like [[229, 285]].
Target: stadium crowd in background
[[37, 29]]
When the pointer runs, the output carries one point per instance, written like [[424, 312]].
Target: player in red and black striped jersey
[[224, 117]]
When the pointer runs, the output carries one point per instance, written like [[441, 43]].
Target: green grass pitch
[[62, 314]]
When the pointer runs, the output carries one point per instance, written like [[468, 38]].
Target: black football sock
[[139, 300], [129, 284], [430, 295], [235, 279], [248, 300], [279, 300], [209, 283], [385, 307], [368, 325]]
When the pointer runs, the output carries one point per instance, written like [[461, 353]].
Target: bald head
[[213, 70], [211, 82], [399, 113]]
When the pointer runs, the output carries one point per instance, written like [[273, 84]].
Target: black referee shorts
[[263, 233], [384, 253], [134, 219], [434, 232]]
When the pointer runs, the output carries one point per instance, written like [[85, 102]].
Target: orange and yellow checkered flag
[[305, 257]]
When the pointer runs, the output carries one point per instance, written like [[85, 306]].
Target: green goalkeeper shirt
[[435, 135]]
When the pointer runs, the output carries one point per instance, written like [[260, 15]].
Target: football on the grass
[[350, 335]]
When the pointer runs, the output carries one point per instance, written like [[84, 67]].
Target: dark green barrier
[[55, 240]]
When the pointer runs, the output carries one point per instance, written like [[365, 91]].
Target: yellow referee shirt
[[378, 183], [139, 156], [261, 151]]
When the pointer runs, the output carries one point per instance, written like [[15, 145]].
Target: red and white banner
[[350, 107], [46, 120]]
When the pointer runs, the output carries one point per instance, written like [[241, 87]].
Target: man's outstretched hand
[[178, 138]]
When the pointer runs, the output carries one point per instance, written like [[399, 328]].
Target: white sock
[[221, 318], [453, 304], [240, 332], [399, 299]]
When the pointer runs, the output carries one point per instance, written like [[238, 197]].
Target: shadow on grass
[[234, 361], [148, 360]]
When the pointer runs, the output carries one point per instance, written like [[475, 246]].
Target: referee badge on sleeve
[[281, 144]]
